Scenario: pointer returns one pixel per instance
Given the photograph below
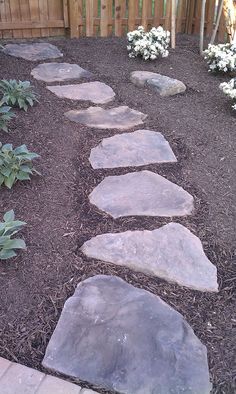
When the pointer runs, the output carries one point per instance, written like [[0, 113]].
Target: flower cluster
[[229, 88], [148, 45], [221, 57]]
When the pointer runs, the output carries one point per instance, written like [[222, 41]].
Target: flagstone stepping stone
[[121, 118], [33, 52], [126, 340], [141, 193], [96, 92], [171, 252], [164, 85], [132, 149], [58, 72]]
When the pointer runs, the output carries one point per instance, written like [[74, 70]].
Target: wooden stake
[[173, 23], [202, 24], [217, 22]]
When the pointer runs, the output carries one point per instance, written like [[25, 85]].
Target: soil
[[200, 127]]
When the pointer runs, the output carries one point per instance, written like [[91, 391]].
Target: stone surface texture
[[171, 252], [18, 379], [96, 92], [132, 149], [121, 118], [164, 85], [33, 52], [58, 72], [141, 193], [128, 340]]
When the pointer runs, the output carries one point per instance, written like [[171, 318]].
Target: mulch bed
[[201, 129]]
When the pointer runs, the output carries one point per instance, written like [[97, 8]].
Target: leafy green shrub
[[8, 228], [15, 164], [18, 94], [5, 116]]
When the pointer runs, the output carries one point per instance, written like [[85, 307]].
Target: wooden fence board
[[44, 14], [15, 16], [158, 12], [133, 14], [25, 17], [120, 8], [89, 18]]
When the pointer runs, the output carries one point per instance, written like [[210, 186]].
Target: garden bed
[[200, 127]]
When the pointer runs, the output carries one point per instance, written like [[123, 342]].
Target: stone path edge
[[19, 379]]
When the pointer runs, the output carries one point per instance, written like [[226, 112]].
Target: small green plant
[[17, 93], [5, 116], [15, 164], [8, 228]]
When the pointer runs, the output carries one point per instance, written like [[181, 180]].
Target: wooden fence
[[43, 18]]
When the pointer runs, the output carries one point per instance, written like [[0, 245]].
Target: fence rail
[[43, 18]]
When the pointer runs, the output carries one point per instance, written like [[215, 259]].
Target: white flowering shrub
[[221, 57], [148, 45], [229, 88]]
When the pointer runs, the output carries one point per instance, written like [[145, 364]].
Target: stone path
[[121, 118], [110, 333], [18, 379], [132, 149], [96, 92], [59, 72], [33, 52], [171, 252], [127, 340], [142, 193], [163, 85]]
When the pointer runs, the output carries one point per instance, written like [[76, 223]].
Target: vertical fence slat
[[104, 18], [6, 17], [146, 13], [181, 15], [190, 14], [44, 13], [197, 17], [133, 13], [167, 15], [66, 13], [89, 18], [34, 16], [15, 17], [74, 15], [210, 12], [25, 16], [120, 6], [158, 12]]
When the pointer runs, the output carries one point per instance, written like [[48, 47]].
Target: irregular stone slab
[[132, 149], [58, 72], [141, 193], [33, 52], [127, 340], [171, 252], [96, 92], [121, 118], [164, 85]]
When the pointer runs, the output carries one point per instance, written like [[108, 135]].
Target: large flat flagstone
[[33, 52], [96, 92], [127, 340], [164, 85], [121, 118], [58, 72], [171, 252], [132, 149], [141, 193]]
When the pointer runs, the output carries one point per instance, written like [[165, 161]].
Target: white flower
[[148, 45]]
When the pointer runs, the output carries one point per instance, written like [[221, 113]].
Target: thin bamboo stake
[[217, 22], [173, 23], [202, 23]]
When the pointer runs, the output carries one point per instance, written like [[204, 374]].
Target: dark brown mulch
[[201, 129]]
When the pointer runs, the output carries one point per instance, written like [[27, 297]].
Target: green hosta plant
[[17, 93], [15, 164], [8, 228], [5, 116]]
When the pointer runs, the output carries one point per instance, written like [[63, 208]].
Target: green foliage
[[15, 164], [17, 94], [8, 228], [5, 116]]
